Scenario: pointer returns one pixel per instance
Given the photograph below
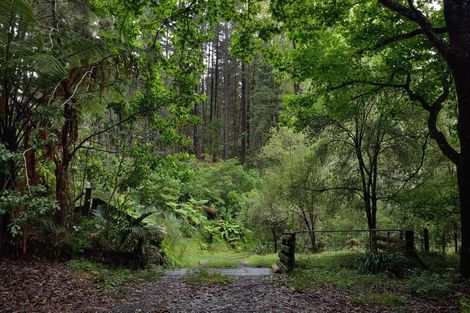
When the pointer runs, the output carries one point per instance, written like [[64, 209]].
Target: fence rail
[[405, 243], [344, 231]]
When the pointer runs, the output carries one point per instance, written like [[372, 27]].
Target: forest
[[235, 156]]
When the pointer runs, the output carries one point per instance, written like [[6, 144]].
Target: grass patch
[[437, 262], [431, 285], [464, 305], [340, 270], [337, 269], [347, 259], [220, 259], [228, 259], [261, 260], [108, 277], [337, 277], [219, 255], [204, 277], [372, 298]]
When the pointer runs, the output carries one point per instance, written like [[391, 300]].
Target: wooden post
[[287, 253], [426, 240], [456, 238], [291, 264], [410, 241], [388, 241], [87, 203]]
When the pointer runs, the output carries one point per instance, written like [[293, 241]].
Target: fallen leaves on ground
[[41, 286]]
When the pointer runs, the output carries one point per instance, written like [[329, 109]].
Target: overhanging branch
[[413, 14], [409, 35], [104, 130]]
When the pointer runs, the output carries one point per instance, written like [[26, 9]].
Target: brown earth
[[39, 286]]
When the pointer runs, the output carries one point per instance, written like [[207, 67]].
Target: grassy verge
[[109, 277], [204, 277], [339, 270], [265, 260], [217, 255], [227, 259], [337, 277]]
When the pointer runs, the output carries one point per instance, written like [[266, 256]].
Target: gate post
[[287, 253], [426, 240], [410, 241]]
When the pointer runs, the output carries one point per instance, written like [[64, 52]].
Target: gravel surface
[[249, 294], [38, 286], [241, 271]]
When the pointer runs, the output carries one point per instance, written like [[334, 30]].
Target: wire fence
[[355, 240], [344, 247]]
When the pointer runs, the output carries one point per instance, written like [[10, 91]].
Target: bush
[[431, 285], [391, 264], [108, 277], [464, 305], [262, 249]]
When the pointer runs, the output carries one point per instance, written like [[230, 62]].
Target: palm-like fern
[[126, 232]]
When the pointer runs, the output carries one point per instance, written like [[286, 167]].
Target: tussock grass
[[203, 277], [108, 277]]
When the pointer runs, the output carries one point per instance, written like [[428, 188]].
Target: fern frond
[[19, 9]]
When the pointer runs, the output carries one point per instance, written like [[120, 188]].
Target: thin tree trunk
[[226, 95], [456, 238], [444, 242], [243, 115], [274, 233], [214, 111]]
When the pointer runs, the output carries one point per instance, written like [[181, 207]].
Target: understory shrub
[[391, 264], [431, 285], [464, 305]]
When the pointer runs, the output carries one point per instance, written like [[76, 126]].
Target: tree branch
[[434, 110], [413, 14], [104, 130], [409, 35], [412, 175]]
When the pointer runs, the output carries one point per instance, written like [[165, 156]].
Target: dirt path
[[262, 293], [238, 272], [245, 294], [38, 286]]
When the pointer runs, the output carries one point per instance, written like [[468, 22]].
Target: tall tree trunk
[[216, 97], [68, 136], [444, 241], [371, 222], [197, 145], [248, 107], [310, 223], [226, 95], [235, 110], [243, 115], [313, 241], [455, 232], [197, 135], [211, 103], [457, 16]]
